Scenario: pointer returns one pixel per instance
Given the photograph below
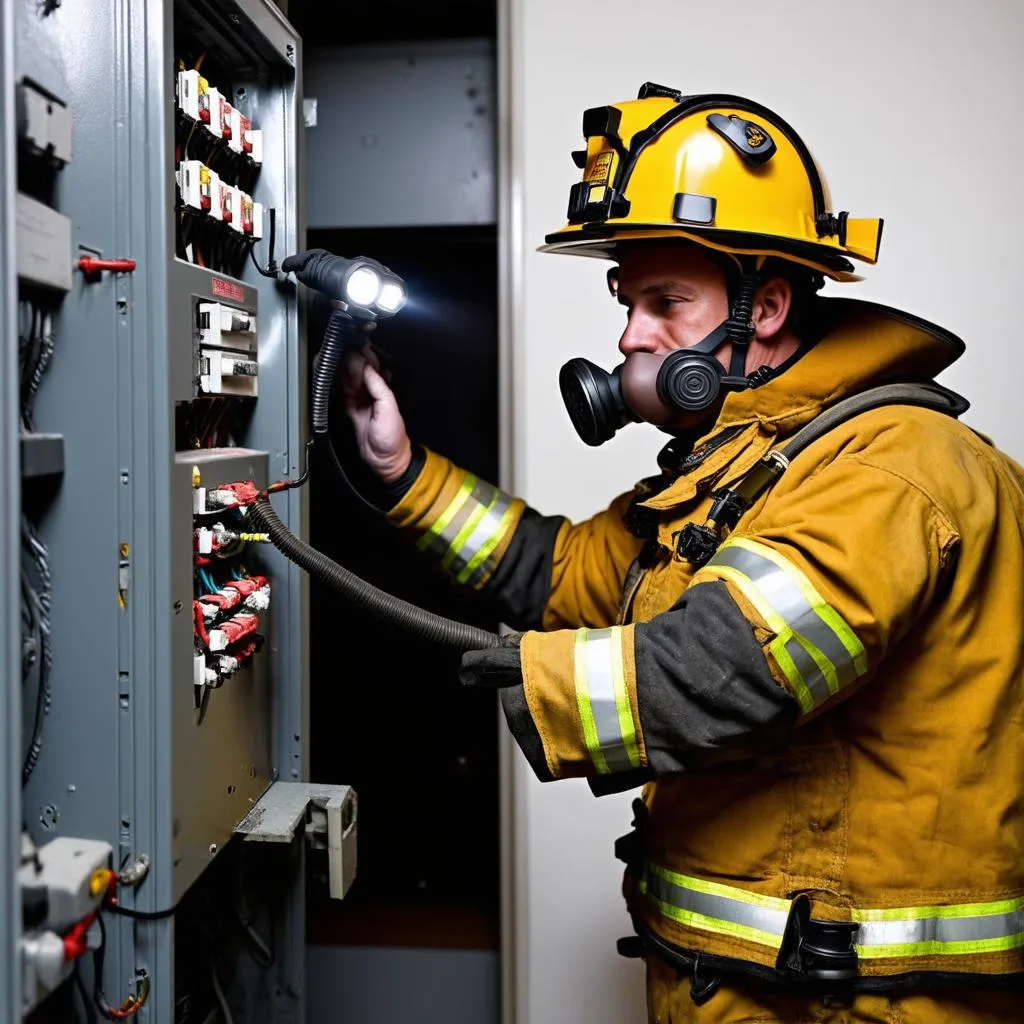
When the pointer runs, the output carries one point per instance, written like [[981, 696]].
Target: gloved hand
[[381, 436], [495, 666], [319, 269]]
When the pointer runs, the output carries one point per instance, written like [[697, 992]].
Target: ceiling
[[346, 23]]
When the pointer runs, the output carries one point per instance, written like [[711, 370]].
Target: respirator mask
[[657, 388]]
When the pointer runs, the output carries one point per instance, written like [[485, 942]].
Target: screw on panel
[[213, 849], [72, 788], [49, 816], [125, 477], [177, 607]]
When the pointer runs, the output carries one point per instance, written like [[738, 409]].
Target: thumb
[[376, 385]]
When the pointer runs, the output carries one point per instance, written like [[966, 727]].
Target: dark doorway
[[389, 716]]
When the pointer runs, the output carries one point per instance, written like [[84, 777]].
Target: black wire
[[36, 742], [90, 1009], [142, 915], [339, 469], [38, 606], [271, 268]]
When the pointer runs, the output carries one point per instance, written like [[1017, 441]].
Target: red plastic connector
[[93, 265]]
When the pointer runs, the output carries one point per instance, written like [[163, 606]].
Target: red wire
[[200, 624]]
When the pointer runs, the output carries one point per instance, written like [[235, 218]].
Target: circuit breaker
[[154, 384]]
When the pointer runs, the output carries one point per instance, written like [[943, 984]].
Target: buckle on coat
[[823, 952]]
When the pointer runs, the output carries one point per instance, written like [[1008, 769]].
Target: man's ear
[[772, 302]]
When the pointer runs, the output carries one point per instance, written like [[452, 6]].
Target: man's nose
[[639, 335]]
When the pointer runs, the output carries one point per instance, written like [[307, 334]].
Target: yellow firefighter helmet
[[718, 170]]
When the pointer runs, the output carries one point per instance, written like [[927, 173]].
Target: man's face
[[675, 297]]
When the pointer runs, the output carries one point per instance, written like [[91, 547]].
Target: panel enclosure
[[123, 758]]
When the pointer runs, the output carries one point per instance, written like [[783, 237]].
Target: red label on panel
[[227, 290]]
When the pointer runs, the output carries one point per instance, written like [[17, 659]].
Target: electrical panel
[[154, 387]]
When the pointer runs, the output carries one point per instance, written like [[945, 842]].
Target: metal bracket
[[327, 815]]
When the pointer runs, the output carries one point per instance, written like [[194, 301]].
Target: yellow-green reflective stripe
[[784, 647], [626, 728], [448, 514], [816, 639], [487, 530], [958, 929], [940, 948], [467, 530], [955, 910], [579, 655], [487, 547], [800, 614], [887, 933], [714, 908], [603, 701], [707, 924]]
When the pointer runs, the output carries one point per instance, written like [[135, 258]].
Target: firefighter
[[809, 665]]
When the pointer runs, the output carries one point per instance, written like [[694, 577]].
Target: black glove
[[494, 667], [319, 269]]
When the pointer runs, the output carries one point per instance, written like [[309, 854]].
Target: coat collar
[[859, 345]]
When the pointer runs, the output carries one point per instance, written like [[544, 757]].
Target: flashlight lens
[[363, 286], [391, 298]]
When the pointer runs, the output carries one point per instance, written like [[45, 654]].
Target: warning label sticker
[[598, 167], [227, 289]]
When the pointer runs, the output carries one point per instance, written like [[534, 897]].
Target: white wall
[[912, 109]]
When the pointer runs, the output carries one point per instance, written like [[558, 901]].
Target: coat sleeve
[[795, 611], [537, 571]]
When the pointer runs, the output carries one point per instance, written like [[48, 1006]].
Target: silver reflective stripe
[[482, 494], [485, 531], [784, 595], [824, 650], [809, 671], [603, 700], [951, 930], [718, 912], [941, 929], [466, 534]]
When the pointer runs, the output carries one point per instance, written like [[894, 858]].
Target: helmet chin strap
[[738, 329]]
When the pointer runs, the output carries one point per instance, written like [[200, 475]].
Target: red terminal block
[[241, 133], [237, 628]]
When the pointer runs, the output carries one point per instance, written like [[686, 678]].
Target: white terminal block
[[197, 185], [257, 220], [241, 132], [228, 373], [65, 870], [224, 326], [258, 600], [199, 670], [222, 201], [204, 541], [241, 208], [256, 145], [198, 500], [192, 95], [219, 124]]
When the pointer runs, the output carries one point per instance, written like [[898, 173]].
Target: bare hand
[[380, 430]]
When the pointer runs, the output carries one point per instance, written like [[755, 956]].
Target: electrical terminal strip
[[204, 104], [226, 611]]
